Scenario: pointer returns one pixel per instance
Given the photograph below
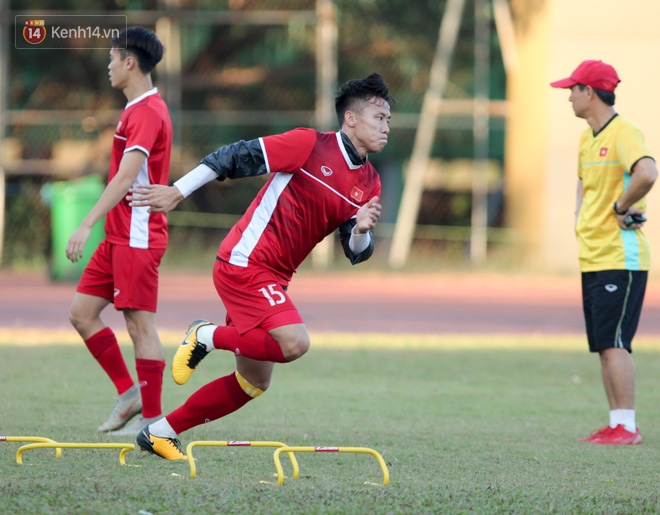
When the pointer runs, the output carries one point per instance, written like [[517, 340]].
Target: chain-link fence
[[246, 69]]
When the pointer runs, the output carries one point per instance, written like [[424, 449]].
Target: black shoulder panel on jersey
[[241, 159], [345, 236]]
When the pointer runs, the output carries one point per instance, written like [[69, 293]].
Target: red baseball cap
[[592, 73]]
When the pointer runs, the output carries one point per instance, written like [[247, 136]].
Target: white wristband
[[195, 179], [359, 242]]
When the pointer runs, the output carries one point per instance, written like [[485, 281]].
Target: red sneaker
[[619, 436], [597, 433]]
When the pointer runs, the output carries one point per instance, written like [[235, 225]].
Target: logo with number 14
[[34, 31]]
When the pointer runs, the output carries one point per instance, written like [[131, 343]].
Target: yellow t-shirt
[[604, 166]]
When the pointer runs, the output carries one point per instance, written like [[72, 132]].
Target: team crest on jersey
[[326, 171], [357, 193], [603, 152]]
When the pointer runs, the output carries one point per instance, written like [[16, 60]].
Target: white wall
[[564, 33]]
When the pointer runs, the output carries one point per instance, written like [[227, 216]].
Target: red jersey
[[145, 126], [314, 189]]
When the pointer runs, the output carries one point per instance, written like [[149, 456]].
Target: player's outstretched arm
[[162, 199], [241, 159]]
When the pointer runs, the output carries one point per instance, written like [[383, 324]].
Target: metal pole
[[326, 80], [326, 65], [506, 34], [479, 238], [4, 74], [413, 188], [168, 75]]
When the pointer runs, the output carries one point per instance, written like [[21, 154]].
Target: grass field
[[466, 425]]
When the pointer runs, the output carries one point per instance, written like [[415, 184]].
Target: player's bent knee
[[136, 332], [252, 379], [77, 321], [295, 348], [262, 384]]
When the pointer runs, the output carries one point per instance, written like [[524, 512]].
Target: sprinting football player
[[124, 268], [615, 172], [319, 182]]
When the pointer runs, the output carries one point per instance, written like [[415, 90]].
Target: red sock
[[255, 344], [211, 402], [150, 379], [104, 347]]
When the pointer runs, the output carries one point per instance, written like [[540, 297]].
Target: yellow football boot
[[167, 448], [189, 354]]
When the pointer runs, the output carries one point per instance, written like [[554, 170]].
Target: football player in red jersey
[[124, 268], [319, 182]]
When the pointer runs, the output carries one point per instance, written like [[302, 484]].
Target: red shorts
[[253, 298], [124, 275]]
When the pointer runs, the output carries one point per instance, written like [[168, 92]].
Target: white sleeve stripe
[[137, 147], [263, 149], [120, 137]]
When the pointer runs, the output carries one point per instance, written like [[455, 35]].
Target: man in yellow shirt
[[615, 172]]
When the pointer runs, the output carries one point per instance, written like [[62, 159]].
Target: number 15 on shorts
[[274, 297]]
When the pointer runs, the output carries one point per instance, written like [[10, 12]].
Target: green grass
[[465, 427]]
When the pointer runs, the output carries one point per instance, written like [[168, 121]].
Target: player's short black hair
[[360, 90], [608, 97], [141, 43]]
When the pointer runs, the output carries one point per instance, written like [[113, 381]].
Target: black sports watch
[[616, 210]]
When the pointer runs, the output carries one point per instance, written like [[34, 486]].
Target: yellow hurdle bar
[[363, 450], [238, 443], [125, 447], [58, 450]]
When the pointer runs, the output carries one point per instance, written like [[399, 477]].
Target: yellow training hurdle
[[238, 443], [46, 443], [58, 450], [363, 450], [125, 447]]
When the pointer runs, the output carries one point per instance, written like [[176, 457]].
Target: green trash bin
[[70, 202]]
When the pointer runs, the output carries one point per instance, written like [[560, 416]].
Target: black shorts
[[612, 302]]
